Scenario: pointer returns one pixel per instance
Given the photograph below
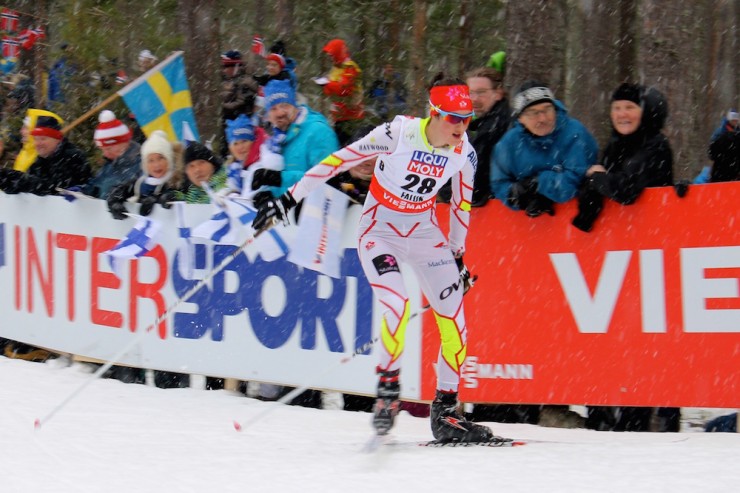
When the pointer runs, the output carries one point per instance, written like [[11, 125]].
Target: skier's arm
[[462, 192], [381, 140]]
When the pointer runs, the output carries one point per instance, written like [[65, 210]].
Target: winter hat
[[733, 115], [497, 62], [231, 58], [146, 55], [195, 151], [157, 143], [279, 59], [530, 93], [47, 126], [278, 91], [240, 128], [111, 130], [278, 47], [629, 92], [337, 50]]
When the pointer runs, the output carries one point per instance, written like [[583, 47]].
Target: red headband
[[47, 132], [451, 99]]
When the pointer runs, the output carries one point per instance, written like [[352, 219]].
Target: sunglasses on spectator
[[453, 118]]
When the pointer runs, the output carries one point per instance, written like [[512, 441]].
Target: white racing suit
[[399, 226]]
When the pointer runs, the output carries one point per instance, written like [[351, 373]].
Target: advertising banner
[[643, 310], [267, 321]]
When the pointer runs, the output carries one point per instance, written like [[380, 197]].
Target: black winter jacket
[[633, 162], [66, 167], [725, 152], [485, 132]]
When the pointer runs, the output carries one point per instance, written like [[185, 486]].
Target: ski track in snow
[[115, 437]]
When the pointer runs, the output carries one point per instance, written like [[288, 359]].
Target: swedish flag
[[160, 99]]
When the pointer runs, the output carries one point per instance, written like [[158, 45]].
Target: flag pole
[[91, 112]]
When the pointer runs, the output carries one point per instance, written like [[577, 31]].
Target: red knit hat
[[277, 59], [47, 126], [111, 130]]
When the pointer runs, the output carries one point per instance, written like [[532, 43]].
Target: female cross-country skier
[[415, 157]]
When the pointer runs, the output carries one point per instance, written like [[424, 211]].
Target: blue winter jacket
[[309, 139], [123, 169], [558, 160]]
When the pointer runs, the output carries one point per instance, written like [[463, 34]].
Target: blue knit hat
[[278, 91], [240, 128]]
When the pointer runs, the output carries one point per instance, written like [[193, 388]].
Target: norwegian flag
[[258, 45], [9, 20], [40, 32], [121, 77], [11, 47], [28, 37]]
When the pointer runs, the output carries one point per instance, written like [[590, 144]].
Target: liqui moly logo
[[427, 164]]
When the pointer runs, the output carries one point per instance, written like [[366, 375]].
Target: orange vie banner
[[644, 310]]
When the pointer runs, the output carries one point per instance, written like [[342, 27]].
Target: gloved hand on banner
[[522, 192], [117, 210], [538, 205], [273, 209], [147, 204]]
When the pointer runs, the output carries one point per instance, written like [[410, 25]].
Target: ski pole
[[299, 390], [39, 422]]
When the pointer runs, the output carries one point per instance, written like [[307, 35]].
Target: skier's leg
[[381, 268], [440, 280]]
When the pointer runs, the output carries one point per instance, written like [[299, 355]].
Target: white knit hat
[[111, 130], [147, 55], [157, 143]]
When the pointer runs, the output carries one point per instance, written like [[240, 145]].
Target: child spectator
[[244, 141], [154, 186], [201, 166]]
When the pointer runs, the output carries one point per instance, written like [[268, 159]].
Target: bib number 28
[[424, 186]]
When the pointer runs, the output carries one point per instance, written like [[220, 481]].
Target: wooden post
[[91, 112]]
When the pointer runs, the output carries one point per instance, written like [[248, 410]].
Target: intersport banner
[[267, 321], [643, 310]]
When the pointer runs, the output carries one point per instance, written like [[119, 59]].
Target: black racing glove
[[273, 209], [268, 177], [465, 278], [522, 192], [117, 210], [538, 205], [260, 198]]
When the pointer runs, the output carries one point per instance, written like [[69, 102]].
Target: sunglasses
[[453, 118]]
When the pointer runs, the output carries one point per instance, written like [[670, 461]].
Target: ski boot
[[387, 404], [448, 425]]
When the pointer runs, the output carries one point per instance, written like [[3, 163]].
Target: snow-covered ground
[[114, 437]]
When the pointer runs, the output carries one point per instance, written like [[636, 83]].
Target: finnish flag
[[137, 243]]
